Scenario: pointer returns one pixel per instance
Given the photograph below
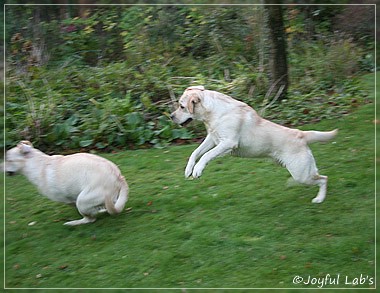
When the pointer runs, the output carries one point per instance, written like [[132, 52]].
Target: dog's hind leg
[[85, 220], [89, 204], [321, 180], [303, 169]]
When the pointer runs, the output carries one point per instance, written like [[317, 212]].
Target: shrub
[[117, 106], [108, 79], [73, 108], [324, 64]]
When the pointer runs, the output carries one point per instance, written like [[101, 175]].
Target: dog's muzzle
[[186, 122], [172, 116]]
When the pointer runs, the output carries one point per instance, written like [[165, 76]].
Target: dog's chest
[[58, 186], [249, 152]]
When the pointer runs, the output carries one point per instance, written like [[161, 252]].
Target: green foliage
[[106, 77], [324, 64], [86, 108], [116, 106], [318, 106], [92, 40]]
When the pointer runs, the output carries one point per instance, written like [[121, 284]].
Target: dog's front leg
[[222, 148], [204, 147]]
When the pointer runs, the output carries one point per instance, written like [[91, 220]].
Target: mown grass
[[238, 226]]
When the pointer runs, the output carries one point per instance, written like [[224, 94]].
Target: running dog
[[235, 128], [94, 184]]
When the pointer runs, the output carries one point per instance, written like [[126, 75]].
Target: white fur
[[93, 183], [235, 128]]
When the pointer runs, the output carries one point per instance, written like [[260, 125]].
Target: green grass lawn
[[238, 226]]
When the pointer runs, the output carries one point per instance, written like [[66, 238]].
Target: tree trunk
[[84, 9], [278, 61]]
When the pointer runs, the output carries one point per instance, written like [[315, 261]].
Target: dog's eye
[[182, 107]]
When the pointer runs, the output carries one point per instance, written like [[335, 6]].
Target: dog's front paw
[[317, 200], [189, 169], [197, 171], [188, 173]]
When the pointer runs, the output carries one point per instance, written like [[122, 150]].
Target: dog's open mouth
[[187, 122]]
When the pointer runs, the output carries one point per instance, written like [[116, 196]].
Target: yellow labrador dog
[[93, 183], [235, 128]]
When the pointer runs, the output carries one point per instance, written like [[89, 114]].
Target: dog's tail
[[117, 207], [319, 136]]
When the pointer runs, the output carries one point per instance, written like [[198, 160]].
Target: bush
[[73, 108], [107, 79], [324, 64], [117, 106], [318, 105]]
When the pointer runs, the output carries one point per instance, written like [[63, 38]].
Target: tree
[[278, 56]]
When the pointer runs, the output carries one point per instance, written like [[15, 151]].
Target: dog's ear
[[193, 99], [25, 147]]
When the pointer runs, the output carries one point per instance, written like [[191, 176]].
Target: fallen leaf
[[62, 267]]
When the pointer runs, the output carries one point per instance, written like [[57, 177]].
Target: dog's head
[[15, 158], [188, 105]]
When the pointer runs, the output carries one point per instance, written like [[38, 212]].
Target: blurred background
[[106, 77]]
